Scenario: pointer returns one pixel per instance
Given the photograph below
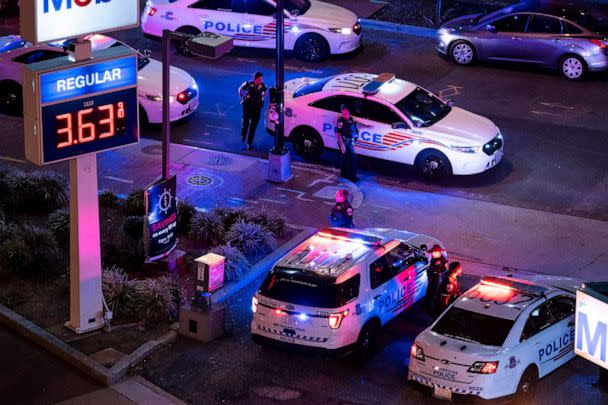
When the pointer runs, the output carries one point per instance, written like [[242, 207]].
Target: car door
[[562, 308], [260, 17], [217, 16], [544, 41], [405, 266], [383, 287], [502, 38], [538, 336]]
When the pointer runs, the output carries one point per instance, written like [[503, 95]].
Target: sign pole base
[[279, 167], [86, 299]]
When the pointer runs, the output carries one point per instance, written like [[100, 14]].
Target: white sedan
[[397, 120], [498, 339], [184, 90]]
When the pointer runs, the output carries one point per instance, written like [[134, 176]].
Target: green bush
[[235, 265], [136, 203], [29, 251], [117, 291], [154, 300], [207, 227], [108, 199], [59, 223], [133, 227], [272, 221], [4, 187], [123, 252], [250, 238], [185, 213], [230, 216], [12, 296], [37, 191]]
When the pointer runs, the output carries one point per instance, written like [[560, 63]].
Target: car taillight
[[357, 28], [484, 367], [278, 311], [254, 305], [335, 320], [600, 43], [151, 11], [417, 352], [187, 94]]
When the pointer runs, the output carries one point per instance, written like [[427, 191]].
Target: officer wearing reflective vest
[[347, 133], [251, 94]]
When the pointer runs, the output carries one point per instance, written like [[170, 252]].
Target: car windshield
[[488, 16], [423, 108], [311, 87], [471, 326], [297, 7], [295, 287]]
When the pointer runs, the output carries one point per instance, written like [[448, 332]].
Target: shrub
[[4, 187], [185, 213], [250, 238], [29, 251], [108, 199], [12, 296], [117, 291], [59, 223], [230, 216], [207, 227], [236, 263], [39, 191], [133, 227], [153, 300], [123, 252], [272, 221], [135, 203]]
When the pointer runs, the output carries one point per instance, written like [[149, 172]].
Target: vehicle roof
[[391, 92]]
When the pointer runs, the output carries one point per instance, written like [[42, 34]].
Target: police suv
[[398, 121], [498, 339], [312, 28], [336, 289]]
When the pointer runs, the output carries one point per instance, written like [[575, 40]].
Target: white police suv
[[312, 28], [335, 290], [498, 339], [398, 121]]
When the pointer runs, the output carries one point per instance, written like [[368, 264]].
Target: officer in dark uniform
[[342, 212], [449, 289], [251, 94], [436, 269], [347, 133]]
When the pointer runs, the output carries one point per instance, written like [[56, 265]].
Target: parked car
[[516, 34]]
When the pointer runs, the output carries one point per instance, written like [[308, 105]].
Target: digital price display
[[84, 109]]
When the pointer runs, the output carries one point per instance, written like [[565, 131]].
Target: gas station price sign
[[80, 108]]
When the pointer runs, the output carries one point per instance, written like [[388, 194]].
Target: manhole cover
[[152, 150], [200, 181], [219, 161]]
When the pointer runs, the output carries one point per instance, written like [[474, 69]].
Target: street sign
[[54, 20], [591, 337], [161, 218], [80, 108]]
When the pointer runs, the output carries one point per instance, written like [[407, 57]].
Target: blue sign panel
[[84, 80]]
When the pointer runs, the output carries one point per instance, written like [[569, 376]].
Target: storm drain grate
[[219, 161], [200, 180], [152, 150]]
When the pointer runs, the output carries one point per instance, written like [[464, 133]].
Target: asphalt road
[[556, 153]]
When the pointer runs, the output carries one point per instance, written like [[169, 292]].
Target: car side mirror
[[491, 28], [450, 103], [418, 124], [398, 125], [147, 53]]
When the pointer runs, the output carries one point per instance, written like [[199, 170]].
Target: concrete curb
[[262, 266], [398, 28], [67, 353]]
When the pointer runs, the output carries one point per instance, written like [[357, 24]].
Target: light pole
[[279, 162]]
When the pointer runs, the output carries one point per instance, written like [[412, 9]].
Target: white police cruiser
[[498, 339], [335, 290], [398, 121], [312, 28]]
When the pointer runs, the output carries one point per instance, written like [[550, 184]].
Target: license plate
[[443, 393]]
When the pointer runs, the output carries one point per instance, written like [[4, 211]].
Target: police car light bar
[[349, 236], [521, 286], [374, 86]]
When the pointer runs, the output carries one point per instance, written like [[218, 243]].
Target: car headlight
[[466, 149], [444, 31], [343, 31], [158, 99]]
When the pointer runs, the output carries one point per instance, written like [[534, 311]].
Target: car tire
[[311, 48], [307, 142], [433, 165], [181, 46], [367, 342], [572, 67], [463, 53], [526, 388], [144, 121], [11, 98]]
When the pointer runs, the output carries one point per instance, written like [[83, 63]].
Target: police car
[[312, 28], [335, 290], [398, 121], [15, 53], [498, 339]]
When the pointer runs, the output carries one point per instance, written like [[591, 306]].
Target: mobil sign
[[591, 330], [54, 20]]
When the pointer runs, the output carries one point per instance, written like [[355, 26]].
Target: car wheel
[[144, 121], [367, 342], [526, 389], [433, 164], [307, 142], [11, 98], [463, 53], [312, 48], [181, 46], [572, 67]]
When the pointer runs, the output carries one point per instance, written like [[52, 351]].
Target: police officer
[[347, 133], [449, 288], [436, 269], [342, 212], [251, 94]]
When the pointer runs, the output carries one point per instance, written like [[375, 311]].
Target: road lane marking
[[197, 141], [10, 159], [217, 127], [450, 90], [120, 180]]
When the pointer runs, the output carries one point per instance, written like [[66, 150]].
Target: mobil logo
[[58, 5]]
